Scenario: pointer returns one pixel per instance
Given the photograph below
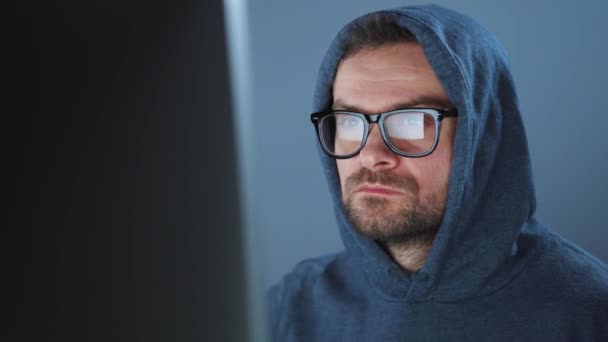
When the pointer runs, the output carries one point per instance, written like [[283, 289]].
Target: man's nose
[[376, 155]]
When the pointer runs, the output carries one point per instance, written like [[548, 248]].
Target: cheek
[[444, 174], [435, 174], [344, 170], [441, 158]]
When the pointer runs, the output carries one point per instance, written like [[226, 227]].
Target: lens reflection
[[412, 132]]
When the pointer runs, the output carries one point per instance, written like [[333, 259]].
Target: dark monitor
[[124, 175]]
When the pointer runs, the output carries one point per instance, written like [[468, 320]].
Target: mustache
[[387, 179]]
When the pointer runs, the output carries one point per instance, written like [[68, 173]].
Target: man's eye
[[350, 122], [411, 121]]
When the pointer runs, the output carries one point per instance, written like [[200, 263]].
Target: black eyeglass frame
[[437, 114]]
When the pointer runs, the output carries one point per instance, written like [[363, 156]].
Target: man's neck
[[411, 257]]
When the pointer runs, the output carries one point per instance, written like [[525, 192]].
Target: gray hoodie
[[494, 273]]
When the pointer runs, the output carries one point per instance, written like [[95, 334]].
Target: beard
[[406, 220]]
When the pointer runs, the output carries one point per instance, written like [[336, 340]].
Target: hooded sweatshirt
[[494, 273]]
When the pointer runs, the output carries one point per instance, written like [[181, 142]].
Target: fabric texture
[[494, 272]]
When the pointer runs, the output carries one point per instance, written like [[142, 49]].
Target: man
[[427, 161]]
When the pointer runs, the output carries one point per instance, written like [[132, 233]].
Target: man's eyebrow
[[340, 104]]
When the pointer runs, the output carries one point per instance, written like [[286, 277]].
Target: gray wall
[[558, 55]]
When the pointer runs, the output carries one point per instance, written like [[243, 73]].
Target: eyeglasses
[[409, 132]]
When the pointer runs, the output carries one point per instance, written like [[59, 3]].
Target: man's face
[[388, 197]]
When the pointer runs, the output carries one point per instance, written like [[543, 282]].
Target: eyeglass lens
[[410, 133]]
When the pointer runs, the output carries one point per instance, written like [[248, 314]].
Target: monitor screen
[[126, 174]]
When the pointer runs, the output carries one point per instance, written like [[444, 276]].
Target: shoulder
[[566, 272], [567, 260], [296, 289], [303, 276], [567, 284]]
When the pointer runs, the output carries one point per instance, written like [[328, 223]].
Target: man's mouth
[[373, 189]]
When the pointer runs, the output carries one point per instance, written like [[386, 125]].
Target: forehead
[[387, 77]]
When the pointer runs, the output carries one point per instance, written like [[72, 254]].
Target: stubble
[[404, 220]]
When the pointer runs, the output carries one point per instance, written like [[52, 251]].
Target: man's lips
[[378, 190]]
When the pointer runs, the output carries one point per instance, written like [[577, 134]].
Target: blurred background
[[558, 55]]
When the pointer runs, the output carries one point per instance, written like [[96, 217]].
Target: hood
[[480, 244]]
